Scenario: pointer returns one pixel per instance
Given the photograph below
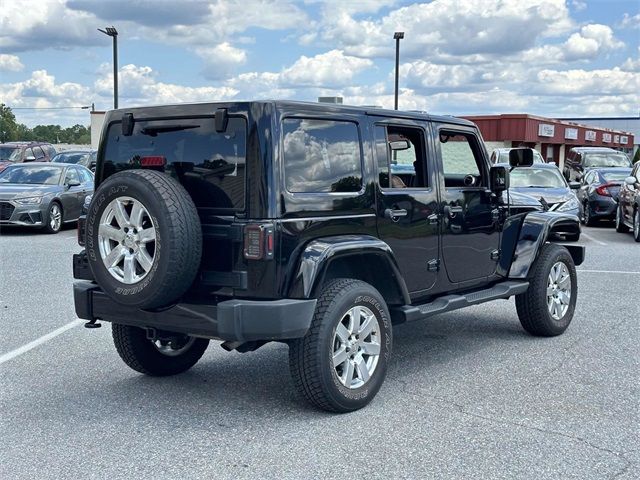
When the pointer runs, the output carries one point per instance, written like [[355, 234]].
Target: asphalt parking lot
[[468, 394]]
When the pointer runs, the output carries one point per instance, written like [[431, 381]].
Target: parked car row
[[605, 184], [21, 152], [43, 194]]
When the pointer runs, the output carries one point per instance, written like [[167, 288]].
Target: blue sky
[[545, 57]]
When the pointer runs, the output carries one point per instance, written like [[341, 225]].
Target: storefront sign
[[546, 130], [616, 139], [571, 133], [590, 135], [624, 139], [606, 137]]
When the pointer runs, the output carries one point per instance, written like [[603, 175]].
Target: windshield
[[606, 160], [9, 154], [503, 156], [31, 175], [616, 176], [536, 178], [71, 157]]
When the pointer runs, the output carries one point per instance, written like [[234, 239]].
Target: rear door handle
[[394, 214], [452, 211]]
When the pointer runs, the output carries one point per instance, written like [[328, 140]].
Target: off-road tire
[[531, 305], [620, 225], [310, 357], [139, 353], [178, 242]]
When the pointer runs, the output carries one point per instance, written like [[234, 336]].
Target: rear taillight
[[258, 242], [604, 189], [153, 161]]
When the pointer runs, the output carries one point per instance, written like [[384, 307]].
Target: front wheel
[[340, 364], [636, 225], [160, 357], [53, 219], [546, 308]]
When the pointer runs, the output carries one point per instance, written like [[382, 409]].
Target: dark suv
[[18, 152], [579, 159], [318, 226]]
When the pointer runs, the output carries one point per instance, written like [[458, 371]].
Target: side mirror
[[399, 145], [631, 181], [520, 157], [72, 184], [574, 185], [499, 179], [30, 158]]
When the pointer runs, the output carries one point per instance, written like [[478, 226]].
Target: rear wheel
[[341, 363], [587, 217], [157, 358], [546, 308], [620, 226]]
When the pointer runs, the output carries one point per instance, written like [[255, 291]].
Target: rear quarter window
[[321, 156]]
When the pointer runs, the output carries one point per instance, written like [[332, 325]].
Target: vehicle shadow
[[258, 384], [19, 231]]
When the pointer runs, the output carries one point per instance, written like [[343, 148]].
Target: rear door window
[[211, 165]]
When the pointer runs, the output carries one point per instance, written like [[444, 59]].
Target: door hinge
[[495, 255], [433, 265]]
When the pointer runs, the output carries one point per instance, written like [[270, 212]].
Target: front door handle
[[452, 211], [395, 214]]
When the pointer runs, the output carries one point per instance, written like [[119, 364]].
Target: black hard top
[[207, 108]]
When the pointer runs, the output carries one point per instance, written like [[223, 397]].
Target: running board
[[409, 313]]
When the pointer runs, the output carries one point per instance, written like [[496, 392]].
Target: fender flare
[[318, 255], [533, 231]]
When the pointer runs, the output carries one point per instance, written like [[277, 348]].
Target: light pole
[[113, 33], [397, 36]]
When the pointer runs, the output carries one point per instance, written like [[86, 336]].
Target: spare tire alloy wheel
[[144, 239], [127, 240]]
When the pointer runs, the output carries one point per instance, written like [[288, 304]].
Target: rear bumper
[[231, 320]]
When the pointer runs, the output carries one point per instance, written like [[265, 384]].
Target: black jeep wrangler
[[319, 226]]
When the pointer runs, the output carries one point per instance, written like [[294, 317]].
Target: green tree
[[8, 125]]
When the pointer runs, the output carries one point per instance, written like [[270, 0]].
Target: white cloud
[[588, 82], [10, 63], [578, 5], [449, 27], [630, 21], [221, 60]]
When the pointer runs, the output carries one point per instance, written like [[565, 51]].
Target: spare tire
[[143, 238]]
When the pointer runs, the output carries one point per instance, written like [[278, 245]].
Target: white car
[[501, 155]]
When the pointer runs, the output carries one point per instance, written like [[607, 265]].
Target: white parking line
[[608, 271], [593, 239], [45, 338]]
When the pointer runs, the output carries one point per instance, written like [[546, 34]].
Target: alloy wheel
[[636, 226], [356, 347], [174, 348], [558, 290], [127, 240], [55, 217]]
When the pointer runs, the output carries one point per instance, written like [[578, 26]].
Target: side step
[[409, 313]]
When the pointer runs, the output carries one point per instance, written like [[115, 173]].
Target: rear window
[[615, 176], [606, 160], [209, 164], [321, 156]]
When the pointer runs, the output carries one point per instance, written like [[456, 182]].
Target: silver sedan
[[43, 194]]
